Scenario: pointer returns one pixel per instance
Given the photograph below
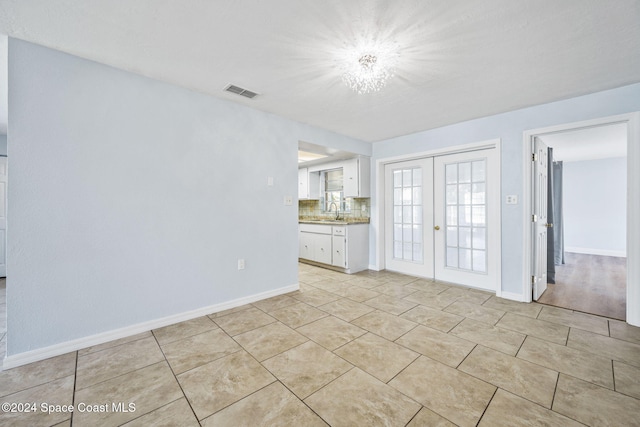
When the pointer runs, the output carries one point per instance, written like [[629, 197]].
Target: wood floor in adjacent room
[[590, 283]]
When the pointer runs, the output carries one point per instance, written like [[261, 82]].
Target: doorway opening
[[597, 270], [586, 248]]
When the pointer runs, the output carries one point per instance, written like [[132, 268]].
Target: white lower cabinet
[[343, 246], [306, 246], [323, 248], [339, 259]]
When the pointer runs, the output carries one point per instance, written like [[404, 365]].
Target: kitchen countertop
[[327, 221]]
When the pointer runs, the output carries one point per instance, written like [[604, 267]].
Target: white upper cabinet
[[303, 183], [357, 177], [308, 184]]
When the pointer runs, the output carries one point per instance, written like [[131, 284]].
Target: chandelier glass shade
[[366, 69]]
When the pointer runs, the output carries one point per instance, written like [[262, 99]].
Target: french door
[[409, 217], [457, 218], [540, 187]]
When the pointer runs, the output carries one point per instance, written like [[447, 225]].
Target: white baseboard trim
[[374, 267], [591, 251], [103, 337], [512, 296]]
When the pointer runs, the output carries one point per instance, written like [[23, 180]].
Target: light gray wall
[[131, 199], [3, 145], [595, 202], [509, 127]]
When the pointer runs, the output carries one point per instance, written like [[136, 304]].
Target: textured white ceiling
[[459, 59]]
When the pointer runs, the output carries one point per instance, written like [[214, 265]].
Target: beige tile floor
[[376, 348]]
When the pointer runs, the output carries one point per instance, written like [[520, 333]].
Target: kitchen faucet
[[336, 208]]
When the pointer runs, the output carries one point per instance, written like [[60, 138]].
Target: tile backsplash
[[312, 209]]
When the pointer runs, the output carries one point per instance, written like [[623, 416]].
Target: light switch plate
[[270, 181], [512, 200]]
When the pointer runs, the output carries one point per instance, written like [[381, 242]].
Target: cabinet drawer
[[315, 228], [339, 231]]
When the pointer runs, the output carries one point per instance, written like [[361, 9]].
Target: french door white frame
[[378, 207], [633, 204]]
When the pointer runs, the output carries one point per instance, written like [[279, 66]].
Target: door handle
[[437, 227], [549, 225]]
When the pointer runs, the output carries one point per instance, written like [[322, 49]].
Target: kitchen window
[[334, 193]]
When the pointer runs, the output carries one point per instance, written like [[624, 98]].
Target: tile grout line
[[488, 403], [175, 377], [465, 358], [613, 374], [555, 390], [73, 396], [414, 416]]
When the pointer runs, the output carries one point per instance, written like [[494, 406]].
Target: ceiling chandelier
[[366, 68]]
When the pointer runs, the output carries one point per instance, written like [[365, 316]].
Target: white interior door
[[409, 217], [540, 178], [467, 218], [3, 216]]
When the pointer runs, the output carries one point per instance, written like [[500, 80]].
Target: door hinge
[[534, 157], [533, 280], [534, 218]]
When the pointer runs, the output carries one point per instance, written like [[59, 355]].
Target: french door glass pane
[[417, 234], [478, 196], [407, 218], [417, 177], [464, 172], [406, 195], [479, 238], [479, 260], [397, 249], [451, 174], [397, 233], [464, 259], [464, 237], [417, 195], [417, 214], [407, 233], [452, 215], [417, 252], [452, 194], [465, 219], [397, 179], [397, 214], [465, 215], [406, 214], [478, 171], [452, 234], [406, 178], [407, 253], [452, 257]]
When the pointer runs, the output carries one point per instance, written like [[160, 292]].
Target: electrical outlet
[[288, 200], [240, 264], [512, 200]]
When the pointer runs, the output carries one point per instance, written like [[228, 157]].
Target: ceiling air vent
[[240, 91]]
